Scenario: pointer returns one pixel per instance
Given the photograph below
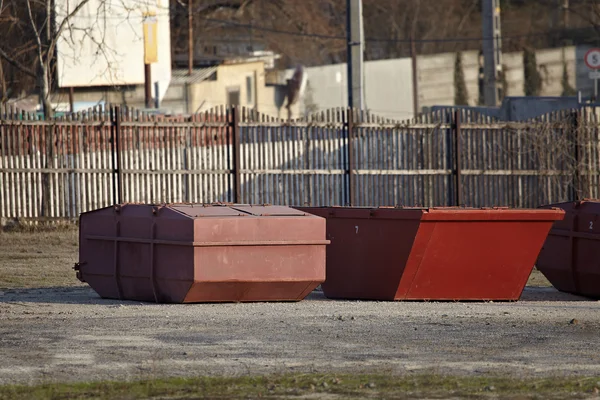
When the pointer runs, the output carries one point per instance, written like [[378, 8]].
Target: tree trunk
[[45, 91], [48, 137]]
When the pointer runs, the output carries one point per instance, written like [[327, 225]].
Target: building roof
[[181, 77], [206, 60], [267, 57]]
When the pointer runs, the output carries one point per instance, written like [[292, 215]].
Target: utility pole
[[565, 15], [492, 51], [148, 85], [190, 37], [560, 21], [354, 32], [564, 42], [415, 78]]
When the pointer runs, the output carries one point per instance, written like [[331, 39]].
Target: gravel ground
[[69, 334]]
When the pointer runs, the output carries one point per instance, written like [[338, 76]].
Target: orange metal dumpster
[[570, 258], [182, 253], [431, 253]]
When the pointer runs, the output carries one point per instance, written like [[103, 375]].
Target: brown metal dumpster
[[570, 258], [182, 253], [431, 253]]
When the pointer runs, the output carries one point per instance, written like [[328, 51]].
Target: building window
[[233, 96], [249, 90]]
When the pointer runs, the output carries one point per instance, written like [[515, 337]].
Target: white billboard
[[103, 43]]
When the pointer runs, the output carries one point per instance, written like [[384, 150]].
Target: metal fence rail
[[55, 170]]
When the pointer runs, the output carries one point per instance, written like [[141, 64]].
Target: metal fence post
[[113, 127], [576, 179], [119, 154], [350, 150], [237, 176], [456, 139], [115, 119]]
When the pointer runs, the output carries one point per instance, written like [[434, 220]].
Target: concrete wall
[[327, 87], [515, 75], [551, 64], [435, 75], [388, 88], [470, 62], [388, 83]]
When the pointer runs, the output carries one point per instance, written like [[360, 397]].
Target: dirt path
[[69, 334]]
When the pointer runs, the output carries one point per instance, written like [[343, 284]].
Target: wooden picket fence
[[54, 170]]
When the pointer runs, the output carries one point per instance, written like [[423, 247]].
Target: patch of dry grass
[[38, 257]]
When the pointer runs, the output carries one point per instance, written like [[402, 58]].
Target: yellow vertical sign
[[150, 38]]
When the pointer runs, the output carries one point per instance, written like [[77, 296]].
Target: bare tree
[[34, 28], [589, 12], [45, 28]]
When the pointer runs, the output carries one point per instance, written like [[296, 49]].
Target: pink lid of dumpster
[[201, 253]]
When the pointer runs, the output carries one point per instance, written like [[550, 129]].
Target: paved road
[[69, 334]]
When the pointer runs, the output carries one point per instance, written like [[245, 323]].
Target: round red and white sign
[[592, 58]]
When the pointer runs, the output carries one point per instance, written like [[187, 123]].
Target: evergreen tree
[[567, 88], [533, 79]]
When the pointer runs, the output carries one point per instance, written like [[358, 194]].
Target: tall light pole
[[190, 38], [492, 51], [355, 49]]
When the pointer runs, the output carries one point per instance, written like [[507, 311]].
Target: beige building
[[240, 83]]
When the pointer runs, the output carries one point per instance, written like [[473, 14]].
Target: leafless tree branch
[[64, 23], [17, 64], [38, 39]]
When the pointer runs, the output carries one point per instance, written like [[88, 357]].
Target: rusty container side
[[570, 257], [136, 252], [368, 252], [194, 253], [476, 254], [274, 253], [431, 254]]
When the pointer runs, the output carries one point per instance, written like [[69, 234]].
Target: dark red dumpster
[[181, 253], [570, 258], [431, 253]]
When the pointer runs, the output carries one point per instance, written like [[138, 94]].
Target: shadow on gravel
[[58, 295], [534, 293], [85, 295]]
